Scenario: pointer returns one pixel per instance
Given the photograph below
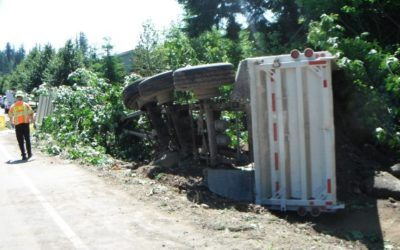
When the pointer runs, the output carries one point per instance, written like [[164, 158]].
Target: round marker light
[[295, 54], [308, 52]]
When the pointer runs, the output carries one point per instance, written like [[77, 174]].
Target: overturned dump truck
[[285, 105]]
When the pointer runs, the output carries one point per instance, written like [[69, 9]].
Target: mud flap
[[230, 183]]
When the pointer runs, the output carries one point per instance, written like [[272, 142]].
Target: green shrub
[[85, 123], [372, 77]]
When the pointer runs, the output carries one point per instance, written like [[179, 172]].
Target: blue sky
[[31, 22]]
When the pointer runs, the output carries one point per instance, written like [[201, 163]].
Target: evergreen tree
[[10, 52], [287, 22], [83, 45], [19, 55], [112, 68], [3, 63], [39, 61], [145, 58], [9, 58], [280, 27], [67, 60]]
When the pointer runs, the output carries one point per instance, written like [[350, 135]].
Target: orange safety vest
[[20, 112]]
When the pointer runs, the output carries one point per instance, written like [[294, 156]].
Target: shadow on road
[[13, 162]]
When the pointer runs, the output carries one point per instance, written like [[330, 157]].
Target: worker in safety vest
[[21, 114]]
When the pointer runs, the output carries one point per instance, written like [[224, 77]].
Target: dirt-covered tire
[[131, 94], [160, 86], [204, 80]]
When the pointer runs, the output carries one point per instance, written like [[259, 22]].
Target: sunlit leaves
[[372, 77], [85, 119], [326, 33]]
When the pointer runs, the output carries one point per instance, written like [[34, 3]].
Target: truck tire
[[160, 86], [204, 80], [131, 94]]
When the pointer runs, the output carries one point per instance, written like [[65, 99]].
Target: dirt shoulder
[[364, 224]]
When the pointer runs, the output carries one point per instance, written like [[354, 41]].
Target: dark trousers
[[22, 132]]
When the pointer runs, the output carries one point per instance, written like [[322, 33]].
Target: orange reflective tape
[[21, 112]]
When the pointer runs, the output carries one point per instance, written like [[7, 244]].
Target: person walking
[[21, 115]]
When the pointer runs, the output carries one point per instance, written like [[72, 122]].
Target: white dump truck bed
[[293, 131]]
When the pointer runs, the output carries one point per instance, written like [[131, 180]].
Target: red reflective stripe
[[329, 186], [325, 83], [275, 132], [273, 103], [316, 62], [276, 161], [277, 186]]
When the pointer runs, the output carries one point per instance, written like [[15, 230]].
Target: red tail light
[[308, 52], [295, 54]]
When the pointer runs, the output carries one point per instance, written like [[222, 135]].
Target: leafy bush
[[85, 122], [372, 79]]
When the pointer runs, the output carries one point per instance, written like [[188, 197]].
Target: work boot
[[24, 158], [29, 155]]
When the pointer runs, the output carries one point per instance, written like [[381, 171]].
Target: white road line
[[64, 227]]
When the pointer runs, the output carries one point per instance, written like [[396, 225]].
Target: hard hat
[[19, 93]]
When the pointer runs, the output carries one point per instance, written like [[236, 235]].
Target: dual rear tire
[[203, 80]]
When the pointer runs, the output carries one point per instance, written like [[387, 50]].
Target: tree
[[9, 52], [377, 17], [280, 27], [9, 58], [30, 72], [177, 50], [19, 55], [67, 60], [88, 53], [286, 13], [19, 78], [201, 16], [39, 62], [82, 43], [3, 63], [212, 47], [146, 60], [112, 68]]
